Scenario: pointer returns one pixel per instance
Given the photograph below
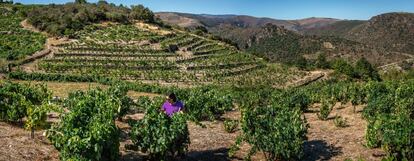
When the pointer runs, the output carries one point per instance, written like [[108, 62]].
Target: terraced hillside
[[16, 42], [152, 54]]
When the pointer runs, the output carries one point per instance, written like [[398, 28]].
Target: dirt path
[[411, 58], [29, 63], [26, 25], [312, 77], [16, 145], [328, 142]]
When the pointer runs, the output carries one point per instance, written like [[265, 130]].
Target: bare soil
[[16, 145], [328, 142]]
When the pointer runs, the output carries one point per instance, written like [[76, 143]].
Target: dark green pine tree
[[365, 71]]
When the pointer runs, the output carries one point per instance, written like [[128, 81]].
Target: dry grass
[[62, 89]]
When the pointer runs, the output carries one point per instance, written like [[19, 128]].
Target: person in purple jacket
[[172, 105]]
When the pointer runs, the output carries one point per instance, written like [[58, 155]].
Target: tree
[[142, 13], [341, 66], [102, 2], [321, 61], [301, 62], [365, 71], [6, 1]]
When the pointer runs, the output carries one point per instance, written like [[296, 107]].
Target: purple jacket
[[170, 109]]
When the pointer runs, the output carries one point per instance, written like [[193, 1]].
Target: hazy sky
[[279, 9]]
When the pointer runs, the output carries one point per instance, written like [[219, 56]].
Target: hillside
[[314, 22], [155, 55], [393, 31], [278, 44], [213, 21], [100, 81], [354, 39], [339, 28]]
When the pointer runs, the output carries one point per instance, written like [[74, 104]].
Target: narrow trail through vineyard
[[31, 61]]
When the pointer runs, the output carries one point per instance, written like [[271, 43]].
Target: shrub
[[71, 17], [277, 131], [141, 104], [340, 121], [325, 110], [230, 126], [16, 99], [393, 134], [365, 71], [37, 117], [140, 12], [341, 66], [321, 61], [158, 134], [206, 103], [88, 131]]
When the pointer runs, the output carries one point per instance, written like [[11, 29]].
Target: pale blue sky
[[278, 9]]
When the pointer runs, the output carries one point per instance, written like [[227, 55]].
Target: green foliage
[[37, 116], [283, 47], [71, 17], [80, 1], [340, 121], [16, 42], [118, 92], [394, 74], [390, 114], [16, 100], [206, 103], [142, 13], [298, 99], [325, 110], [341, 66], [88, 130], [273, 128], [158, 134], [141, 105], [230, 126], [365, 71], [321, 61]]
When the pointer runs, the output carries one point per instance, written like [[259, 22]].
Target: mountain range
[[382, 39]]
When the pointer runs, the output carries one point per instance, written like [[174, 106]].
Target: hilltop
[[213, 22], [393, 31]]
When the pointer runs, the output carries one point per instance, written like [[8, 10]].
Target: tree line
[[65, 20]]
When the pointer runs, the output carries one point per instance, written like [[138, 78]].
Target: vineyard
[[98, 95], [387, 110], [16, 42], [137, 53]]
